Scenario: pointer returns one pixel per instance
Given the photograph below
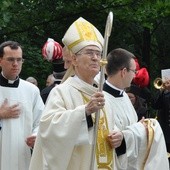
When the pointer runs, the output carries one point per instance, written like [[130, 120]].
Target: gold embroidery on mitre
[[104, 153], [85, 31]]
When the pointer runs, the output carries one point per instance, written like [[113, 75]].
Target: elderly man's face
[[87, 61]]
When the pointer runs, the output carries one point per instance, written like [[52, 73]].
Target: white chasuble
[[64, 141]]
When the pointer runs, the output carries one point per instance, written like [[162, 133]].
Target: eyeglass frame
[[12, 60], [134, 71]]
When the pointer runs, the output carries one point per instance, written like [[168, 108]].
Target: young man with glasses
[[20, 110], [142, 146]]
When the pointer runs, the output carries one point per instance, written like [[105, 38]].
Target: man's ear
[[74, 60], [123, 72]]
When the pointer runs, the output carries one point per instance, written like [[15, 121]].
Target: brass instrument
[[158, 83]]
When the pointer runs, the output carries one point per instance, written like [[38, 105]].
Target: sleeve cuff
[[121, 149]]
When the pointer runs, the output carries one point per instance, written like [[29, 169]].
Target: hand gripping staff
[[103, 62]]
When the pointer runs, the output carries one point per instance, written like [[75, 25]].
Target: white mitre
[[81, 34]]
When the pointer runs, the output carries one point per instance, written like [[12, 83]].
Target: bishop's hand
[[96, 102]]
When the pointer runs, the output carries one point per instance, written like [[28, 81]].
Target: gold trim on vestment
[[104, 152], [150, 137]]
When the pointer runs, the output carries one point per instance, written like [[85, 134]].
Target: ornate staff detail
[[103, 62]]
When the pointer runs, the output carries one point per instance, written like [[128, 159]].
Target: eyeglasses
[[90, 53], [134, 71], [12, 60]]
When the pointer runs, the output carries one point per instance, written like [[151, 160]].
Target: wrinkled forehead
[[91, 47]]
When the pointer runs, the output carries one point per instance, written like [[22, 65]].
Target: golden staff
[[103, 62]]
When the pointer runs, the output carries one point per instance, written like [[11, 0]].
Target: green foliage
[[141, 26]]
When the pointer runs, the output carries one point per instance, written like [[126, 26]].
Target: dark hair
[[12, 44], [117, 60]]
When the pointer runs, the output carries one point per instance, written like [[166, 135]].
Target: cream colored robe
[[64, 142], [14, 152], [136, 138]]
